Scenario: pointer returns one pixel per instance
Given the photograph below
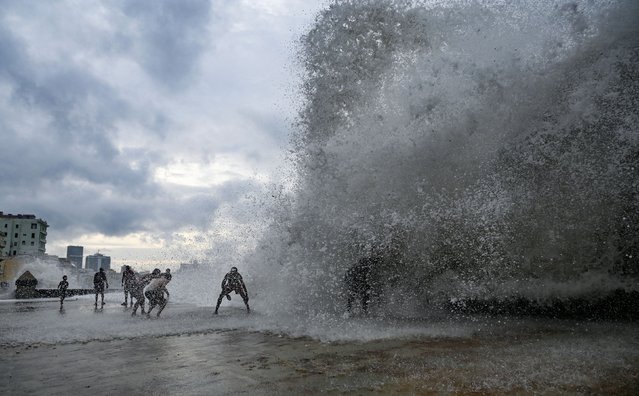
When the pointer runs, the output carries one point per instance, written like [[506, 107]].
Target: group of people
[[100, 282], [152, 287]]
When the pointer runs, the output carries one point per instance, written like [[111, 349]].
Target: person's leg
[[126, 295], [102, 295], [219, 300], [139, 302], [246, 299], [152, 302], [365, 301], [142, 302], [162, 304], [97, 291]]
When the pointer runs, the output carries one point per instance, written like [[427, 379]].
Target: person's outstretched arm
[[224, 281]]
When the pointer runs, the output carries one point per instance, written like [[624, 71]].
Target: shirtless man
[[155, 293]]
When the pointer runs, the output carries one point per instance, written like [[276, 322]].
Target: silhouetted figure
[[63, 286], [155, 293], [99, 283], [233, 282], [128, 279], [168, 275], [137, 291], [358, 283]]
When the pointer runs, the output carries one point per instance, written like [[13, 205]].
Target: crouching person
[[155, 292], [137, 290], [233, 282]]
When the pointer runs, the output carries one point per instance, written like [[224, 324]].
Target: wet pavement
[[191, 352]]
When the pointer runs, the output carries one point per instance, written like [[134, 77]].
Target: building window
[[24, 243], [14, 252], [32, 243], [15, 243], [17, 225], [15, 235], [34, 226], [33, 235]]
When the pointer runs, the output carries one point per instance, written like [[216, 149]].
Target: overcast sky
[[126, 123]]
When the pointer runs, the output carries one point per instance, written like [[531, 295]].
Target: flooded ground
[[191, 351]]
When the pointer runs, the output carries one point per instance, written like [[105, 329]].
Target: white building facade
[[24, 234]]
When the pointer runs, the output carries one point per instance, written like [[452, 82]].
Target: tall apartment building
[[75, 254], [97, 261], [25, 234]]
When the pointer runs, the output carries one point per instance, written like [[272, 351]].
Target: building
[[97, 261], [25, 234], [3, 241], [75, 255]]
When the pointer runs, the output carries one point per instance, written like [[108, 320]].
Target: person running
[[233, 282], [128, 278], [62, 286], [99, 283], [155, 293], [358, 285], [137, 290]]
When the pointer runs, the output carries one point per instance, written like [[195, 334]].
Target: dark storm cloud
[[112, 112], [58, 130], [70, 143], [172, 36]]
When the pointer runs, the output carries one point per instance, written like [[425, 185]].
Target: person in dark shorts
[[137, 291], [233, 282], [128, 278], [63, 286], [155, 293], [99, 283]]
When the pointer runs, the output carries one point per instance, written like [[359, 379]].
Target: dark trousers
[[226, 291], [99, 289], [139, 300], [156, 297]]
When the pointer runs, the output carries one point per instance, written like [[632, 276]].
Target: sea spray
[[481, 150]]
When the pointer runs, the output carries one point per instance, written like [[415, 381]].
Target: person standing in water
[[168, 276], [358, 284], [99, 283], [233, 282], [62, 286], [155, 292], [137, 291], [128, 279]]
